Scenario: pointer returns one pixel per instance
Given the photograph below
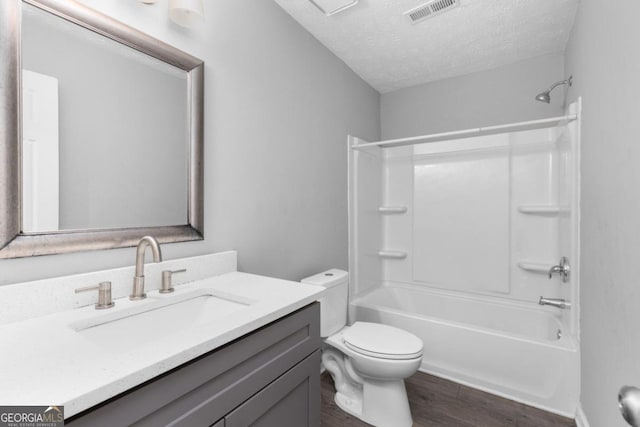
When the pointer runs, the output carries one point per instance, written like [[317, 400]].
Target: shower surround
[[453, 239]]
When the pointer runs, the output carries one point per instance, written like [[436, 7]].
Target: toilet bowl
[[367, 361]]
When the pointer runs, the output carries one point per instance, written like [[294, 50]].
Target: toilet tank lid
[[328, 279]]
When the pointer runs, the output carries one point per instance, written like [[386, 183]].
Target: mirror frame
[[16, 244]]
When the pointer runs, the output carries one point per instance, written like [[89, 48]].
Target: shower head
[[546, 95]]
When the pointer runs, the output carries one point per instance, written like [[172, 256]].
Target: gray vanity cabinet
[[285, 402], [267, 378]]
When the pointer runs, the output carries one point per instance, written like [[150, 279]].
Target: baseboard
[[581, 418]]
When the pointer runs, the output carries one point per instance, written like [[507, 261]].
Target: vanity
[[269, 377], [225, 348], [102, 143]]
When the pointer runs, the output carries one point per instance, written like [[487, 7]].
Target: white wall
[[279, 107], [603, 56], [501, 95]]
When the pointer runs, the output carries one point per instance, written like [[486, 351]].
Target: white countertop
[[44, 361]]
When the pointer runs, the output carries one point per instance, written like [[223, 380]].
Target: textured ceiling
[[387, 51]]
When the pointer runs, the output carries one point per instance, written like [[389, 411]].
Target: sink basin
[[159, 318]]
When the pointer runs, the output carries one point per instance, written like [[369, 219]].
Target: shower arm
[[568, 81]]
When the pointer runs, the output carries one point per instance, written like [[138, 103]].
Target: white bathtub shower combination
[[452, 241], [516, 352]]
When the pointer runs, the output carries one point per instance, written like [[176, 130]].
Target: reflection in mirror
[[101, 133], [105, 131]]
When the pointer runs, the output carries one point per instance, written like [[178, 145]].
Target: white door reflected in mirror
[[40, 155]]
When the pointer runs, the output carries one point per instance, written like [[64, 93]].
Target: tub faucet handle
[[562, 269]]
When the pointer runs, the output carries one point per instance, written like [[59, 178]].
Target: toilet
[[367, 361]]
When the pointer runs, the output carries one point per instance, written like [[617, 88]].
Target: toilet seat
[[382, 341]]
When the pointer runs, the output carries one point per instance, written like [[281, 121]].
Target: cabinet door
[[293, 400]]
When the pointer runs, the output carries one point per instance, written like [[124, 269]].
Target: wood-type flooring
[[436, 402]]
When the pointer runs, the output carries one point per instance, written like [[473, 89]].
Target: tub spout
[[554, 302]]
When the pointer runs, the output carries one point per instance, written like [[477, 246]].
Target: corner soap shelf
[[545, 210], [388, 210], [392, 254], [535, 267]]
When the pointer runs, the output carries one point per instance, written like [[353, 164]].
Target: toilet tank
[[333, 304]]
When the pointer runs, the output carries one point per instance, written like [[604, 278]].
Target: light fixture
[[148, 1], [186, 13], [331, 7]]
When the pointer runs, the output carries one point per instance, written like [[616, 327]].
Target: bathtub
[[514, 350]]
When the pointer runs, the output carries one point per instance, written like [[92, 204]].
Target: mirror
[[79, 171], [103, 137]]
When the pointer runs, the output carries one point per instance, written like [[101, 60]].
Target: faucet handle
[[554, 269], [563, 269], [167, 276], [104, 294]]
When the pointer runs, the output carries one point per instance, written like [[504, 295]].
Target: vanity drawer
[[206, 389]]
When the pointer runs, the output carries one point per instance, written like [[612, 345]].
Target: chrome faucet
[[555, 302], [562, 269], [138, 279]]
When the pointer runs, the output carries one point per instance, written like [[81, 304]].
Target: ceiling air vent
[[430, 9]]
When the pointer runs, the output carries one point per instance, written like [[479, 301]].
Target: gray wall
[[279, 107], [603, 56], [498, 96]]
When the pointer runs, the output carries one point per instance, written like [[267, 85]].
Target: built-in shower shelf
[[546, 210], [535, 267], [392, 254], [390, 210]]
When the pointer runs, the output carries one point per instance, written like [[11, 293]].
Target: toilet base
[[387, 406], [348, 404], [381, 403]]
